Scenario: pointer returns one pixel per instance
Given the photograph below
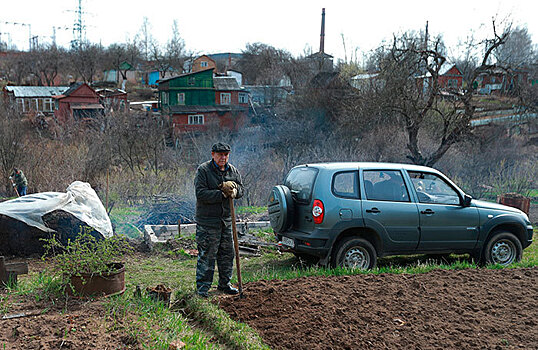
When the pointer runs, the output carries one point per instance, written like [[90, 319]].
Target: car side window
[[385, 185], [431, 188], [345, 184]]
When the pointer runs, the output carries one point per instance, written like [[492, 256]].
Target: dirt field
[[77, 325], [467, 309]]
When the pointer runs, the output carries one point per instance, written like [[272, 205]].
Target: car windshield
[[300, 181]]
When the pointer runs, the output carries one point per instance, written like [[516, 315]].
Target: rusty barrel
[[87, 285], [515, 200]]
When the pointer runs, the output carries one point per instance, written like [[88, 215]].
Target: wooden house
[[202, 63], [195, 101], [78, 103], [33, 99]]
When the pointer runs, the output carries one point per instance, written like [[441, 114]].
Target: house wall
[[225, 120], [198, 90], [197, 64], [83, 95]]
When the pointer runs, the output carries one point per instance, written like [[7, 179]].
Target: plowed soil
[[466, 309], [72, 325]]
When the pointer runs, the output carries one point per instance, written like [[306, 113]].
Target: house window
[[196, 119], [225, 98], [452, 83], [192, 81], [180, 98], [243, 97], [20, 105], [164, 98], [203, 64], [48, 105]]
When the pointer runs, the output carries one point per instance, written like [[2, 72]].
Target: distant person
[[19, 181], [215, 182]]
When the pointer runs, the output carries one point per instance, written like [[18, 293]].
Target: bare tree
[[517, 51], [87, 60], [411, 71]]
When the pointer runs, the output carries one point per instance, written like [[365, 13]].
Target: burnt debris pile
[[167, 210]]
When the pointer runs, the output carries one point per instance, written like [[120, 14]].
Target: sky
[[210, 26]]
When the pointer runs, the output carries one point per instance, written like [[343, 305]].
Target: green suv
[[349, 214]]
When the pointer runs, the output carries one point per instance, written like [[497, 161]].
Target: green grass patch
[[250, 210], [122, 219]]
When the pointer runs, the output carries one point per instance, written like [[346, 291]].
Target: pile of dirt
[[19, 239], [473, 309]]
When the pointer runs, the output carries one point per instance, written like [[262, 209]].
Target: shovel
[[236, 246], [15, 188]]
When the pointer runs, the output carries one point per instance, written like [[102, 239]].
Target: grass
[[199, 323], [122, 218]]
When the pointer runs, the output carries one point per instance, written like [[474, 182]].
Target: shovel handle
[[236, 246]]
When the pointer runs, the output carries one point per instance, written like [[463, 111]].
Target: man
[[215, 182], [19, 181]]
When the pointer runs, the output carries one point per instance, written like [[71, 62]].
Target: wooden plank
[[18, 268], [3, 273]]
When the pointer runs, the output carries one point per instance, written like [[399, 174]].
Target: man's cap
[[221, 147]]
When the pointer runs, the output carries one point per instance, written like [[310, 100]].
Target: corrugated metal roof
[[36, 91], [226, 83]]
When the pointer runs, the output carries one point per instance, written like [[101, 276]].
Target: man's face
[[221, 158]]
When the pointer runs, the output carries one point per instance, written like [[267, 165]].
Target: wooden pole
[[106, 195], [236, 245], [3, 272]]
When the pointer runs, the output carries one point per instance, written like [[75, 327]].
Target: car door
[[387, 208], [444, 223]]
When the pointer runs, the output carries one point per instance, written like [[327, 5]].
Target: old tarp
[[80, 200]]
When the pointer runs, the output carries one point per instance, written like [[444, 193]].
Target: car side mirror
[[467, 200]]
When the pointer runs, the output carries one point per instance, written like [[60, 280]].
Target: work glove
[[14, 185], [229, 189], [11, 177]]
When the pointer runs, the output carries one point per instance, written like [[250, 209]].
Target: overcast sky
[[210, 26]]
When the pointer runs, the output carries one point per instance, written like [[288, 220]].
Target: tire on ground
[[354, 252], [503, 248]]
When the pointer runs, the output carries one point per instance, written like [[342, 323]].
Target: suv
[[349, 214]]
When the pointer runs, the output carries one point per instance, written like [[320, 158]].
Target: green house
[[191, 89]]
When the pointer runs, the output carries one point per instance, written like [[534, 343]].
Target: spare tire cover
[[280, 208]]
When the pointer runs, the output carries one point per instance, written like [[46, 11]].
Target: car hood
[[496, 206]]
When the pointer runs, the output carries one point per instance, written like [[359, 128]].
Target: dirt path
[[467, 309]]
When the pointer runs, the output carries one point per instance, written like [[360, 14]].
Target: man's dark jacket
[[212, 207]]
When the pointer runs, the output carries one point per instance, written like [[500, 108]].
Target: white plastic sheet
[[80, 200]]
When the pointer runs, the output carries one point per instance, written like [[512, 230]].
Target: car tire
[[280, 208], [355, 252], [503, 248]]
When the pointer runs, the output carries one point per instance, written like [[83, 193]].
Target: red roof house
[[79, 102]]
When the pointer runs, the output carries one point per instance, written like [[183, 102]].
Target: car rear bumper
[[316, 243]]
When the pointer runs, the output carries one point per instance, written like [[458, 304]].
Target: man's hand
[[229, 189]]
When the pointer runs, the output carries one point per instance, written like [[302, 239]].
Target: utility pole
[[78, 27], [30, 39]]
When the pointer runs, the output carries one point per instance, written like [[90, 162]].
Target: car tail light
[[318, 211]]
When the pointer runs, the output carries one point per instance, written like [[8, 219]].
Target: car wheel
[[355, 253], [503, 248], [280, 208]]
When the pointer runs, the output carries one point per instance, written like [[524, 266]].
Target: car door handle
[[373, 210], [427, 212]]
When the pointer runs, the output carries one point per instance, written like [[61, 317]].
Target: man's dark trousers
[[214, 244]]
